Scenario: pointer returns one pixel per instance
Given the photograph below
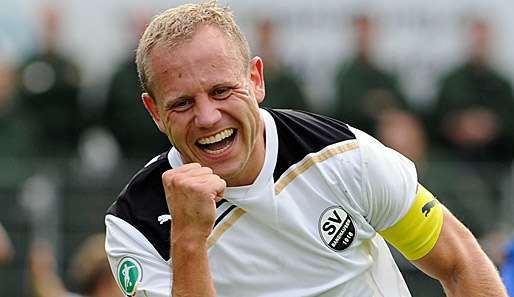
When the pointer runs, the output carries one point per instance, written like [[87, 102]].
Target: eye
[[221, 92], [181, 104]]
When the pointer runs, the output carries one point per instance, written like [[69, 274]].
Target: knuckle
[[167, 177], [166, 174]]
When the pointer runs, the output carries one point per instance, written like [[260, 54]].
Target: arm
[[6, 250], [437, 243], [44, 280], [459, 263], [191, 272], [135, 261], [410, 218], [191, 193]]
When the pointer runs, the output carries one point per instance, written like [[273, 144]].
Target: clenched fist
[[191, 193]]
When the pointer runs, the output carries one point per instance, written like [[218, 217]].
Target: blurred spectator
[[404, 133], [6, 249], [363, 90], [14, 130], [44, 279], [6, 86], [48, 86], [507, 268], [475, 104], [89, 269], [460, 189], [282, 86], [125, 115]]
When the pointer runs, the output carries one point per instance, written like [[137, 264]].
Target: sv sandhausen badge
[[336, 228], [129, 275]]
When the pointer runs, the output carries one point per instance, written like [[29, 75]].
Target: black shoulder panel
[[301, 133], [142, 201]]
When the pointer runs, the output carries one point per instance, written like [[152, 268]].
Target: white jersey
[[307, 226]]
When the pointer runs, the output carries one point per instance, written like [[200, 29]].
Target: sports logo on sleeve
[[336, 228], [163, 218], [427, 207], [129, 275]]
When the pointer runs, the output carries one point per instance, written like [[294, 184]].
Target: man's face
[[207, 104]]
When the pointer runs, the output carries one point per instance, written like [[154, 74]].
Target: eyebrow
[[223, 83], [169, 103]]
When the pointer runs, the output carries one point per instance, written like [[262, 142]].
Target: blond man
[[262, 202]]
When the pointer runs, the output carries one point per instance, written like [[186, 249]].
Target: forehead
[[207, 55]]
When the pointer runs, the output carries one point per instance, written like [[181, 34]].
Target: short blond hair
[[176, 25]]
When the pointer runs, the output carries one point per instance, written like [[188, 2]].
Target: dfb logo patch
[[336, 228], [129, 275]]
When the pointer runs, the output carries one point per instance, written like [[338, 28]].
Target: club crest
[[336, 228]]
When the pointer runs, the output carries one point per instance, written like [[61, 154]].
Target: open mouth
[[217, 143]]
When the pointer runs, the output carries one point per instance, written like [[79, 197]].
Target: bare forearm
[[48, 285], [459, 263], [479, 279], [191, 272], [6, 250], [191, 193]]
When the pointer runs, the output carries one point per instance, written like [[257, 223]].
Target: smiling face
[[207, 103]]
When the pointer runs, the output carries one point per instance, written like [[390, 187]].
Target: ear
[[257, 78], [151, 107]]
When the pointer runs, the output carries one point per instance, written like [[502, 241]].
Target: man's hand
[[191, 193]]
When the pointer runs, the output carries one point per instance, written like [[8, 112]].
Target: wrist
[[190, 265], [189, 242], [189, 231]]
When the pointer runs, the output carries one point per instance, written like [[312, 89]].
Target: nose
[[206, 112]]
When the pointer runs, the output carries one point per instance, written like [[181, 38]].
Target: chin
[[226, 173]]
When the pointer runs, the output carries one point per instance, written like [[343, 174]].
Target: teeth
[[218, 137]]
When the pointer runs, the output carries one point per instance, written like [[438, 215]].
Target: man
[[123, 116], [474, 106], [283, 85], [48, 86], [89, 270], [252, 202], [363, 90]]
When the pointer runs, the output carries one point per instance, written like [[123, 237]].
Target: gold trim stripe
[[225, 226], [282, 183]]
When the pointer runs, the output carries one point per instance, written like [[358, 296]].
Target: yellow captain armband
[[416, 233]]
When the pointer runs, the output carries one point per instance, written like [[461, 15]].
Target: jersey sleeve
[[400, 209], [416, 233], [137, 267], [389, 182]]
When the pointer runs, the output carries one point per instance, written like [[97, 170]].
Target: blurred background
[[431, 79]]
